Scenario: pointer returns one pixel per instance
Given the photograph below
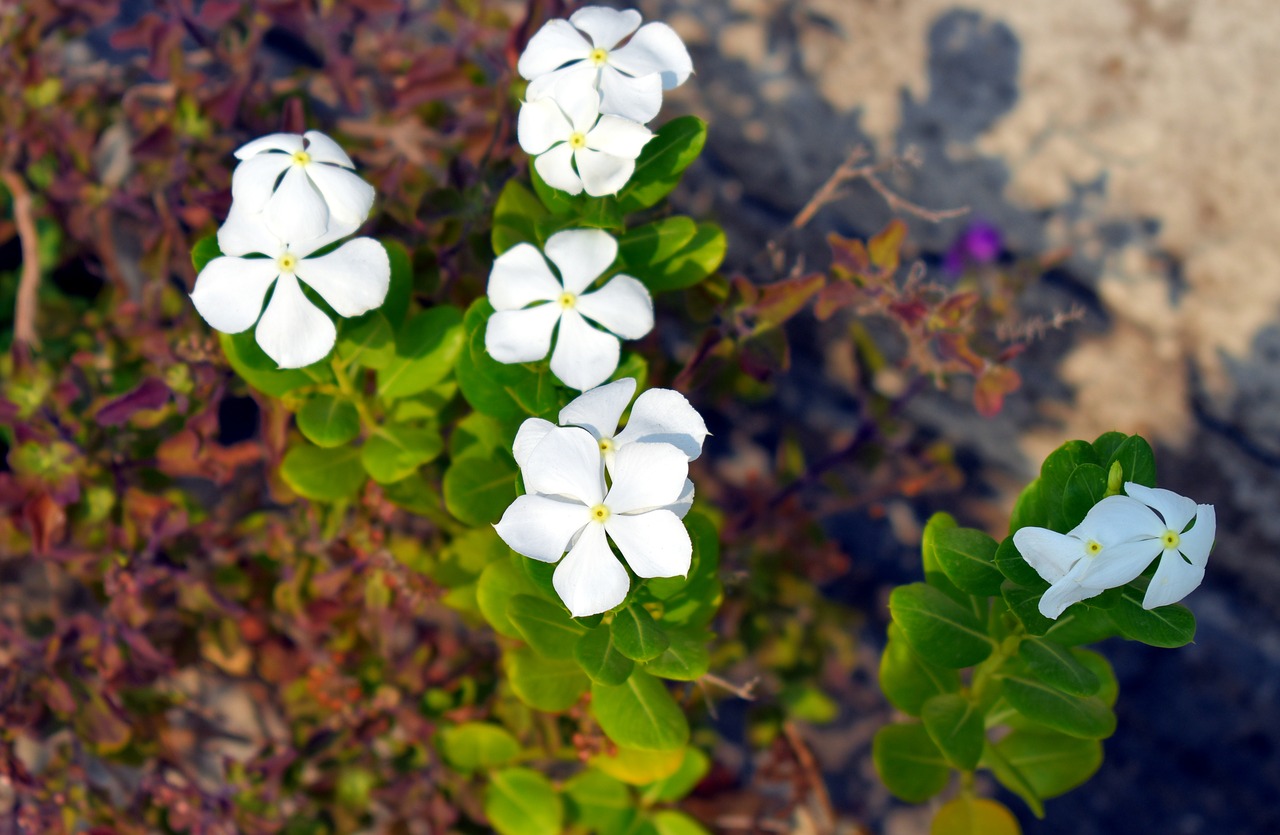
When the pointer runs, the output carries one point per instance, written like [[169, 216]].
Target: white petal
[[254, 180], [656, 48], [1050, 553], [1176, 510], [520, 277], [297, 211], [521, 335], [1174, 579], [1061, 595], [528, 436], [1117, 564], [581, 255], [618, 137], [555, 167], [1118, 519], [323, 149], [584, 357], [541, 125], [605, 26], [590, 580], [554, 45], [566, 463], [336, 232], [541, 526], [229, 291], [349, 198], [654, 544], [1197, 542], [293, 331], [565, 82], [246, 232], [623, 306], [602, 174], [287, 142], [680, 507], [665, 416], [581, 105], [353, 278], [633, 99], [599, 410], [646, 476]]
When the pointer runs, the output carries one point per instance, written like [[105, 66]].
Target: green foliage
[[323, 474], [598, 655], [909, 763], [640, 713], [521, 801], [472, 746], [637, 635], [658, 168], [329, 421], [938, 628]]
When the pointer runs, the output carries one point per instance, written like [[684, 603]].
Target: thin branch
[[742, 691], [24, 317], [813, 775]]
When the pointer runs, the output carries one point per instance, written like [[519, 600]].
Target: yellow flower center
[[1093, 548], [301, 157], [599, 513], [1170, 539], [567, 300], [578, 140], [598, 56], [606, 444], [287, 262]]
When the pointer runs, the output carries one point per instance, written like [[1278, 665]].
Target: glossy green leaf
[[907, 680], [427, 349], [686, 657], [909, 764], [967, 557], [660, 165], [600, 659], [204, 251], [955, 725], [654, 243], [328, 421], [259, 370], [1029, 509], [1137, 461], [1024, 603], [967, 815], [325, 475], [640, 713], [520, 801], [676, 787], [1085, 487], [675, 822], [1084, 717], [599, 802], [1009, 776], [1052, 763], [1081, 625], [1055, 665], [515, 217], [396, 451], [694, 261], [478, 435], [1166, 626], [637, 635], [477, 490], [500, 582], [545, 626], [1013, 565], [475, 745], [508, 392], [1106, 444], [938, 628], [556, 201], [367, 342], [1055, 472], [1108, 687], [543, 683]]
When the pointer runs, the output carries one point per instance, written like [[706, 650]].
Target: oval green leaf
[[396, 451], [1055, 665], [545, 626], [637, 635], [325, 475], [938, 628], [909, 764], [328, 421], [955, 725], [545, 683], [600, 659], [640, 713], [1087, 717], [520, 801]]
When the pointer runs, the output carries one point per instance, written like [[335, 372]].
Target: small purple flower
[[980, 244]]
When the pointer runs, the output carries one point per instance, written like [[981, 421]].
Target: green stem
[[348, 390]]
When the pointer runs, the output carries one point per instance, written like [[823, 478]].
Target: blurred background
[[1114, 155]]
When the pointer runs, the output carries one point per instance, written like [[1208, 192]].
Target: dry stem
[[24, 317]]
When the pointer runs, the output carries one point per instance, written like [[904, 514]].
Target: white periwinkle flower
[[302, 185], [530, 301], [577, 149], [569, 508], [1115, 543], [583, 52], [353, 279]]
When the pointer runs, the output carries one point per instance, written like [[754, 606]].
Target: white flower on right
[[530, 301], [302, 185], [577, 149], [568, 508], [583, 52], [1182, 536]]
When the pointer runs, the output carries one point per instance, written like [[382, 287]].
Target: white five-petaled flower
[[301, 185], [660, 416], [583, 52], [530, 301], [229, 291], [577, 149], [569, 508], [1118, 539]]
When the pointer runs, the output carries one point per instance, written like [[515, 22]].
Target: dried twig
[[24, 317], [742, 691], [813, 776], [1036, 328]]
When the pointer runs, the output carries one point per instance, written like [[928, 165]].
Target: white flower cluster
[[1118, 539], [291, 196], [587, 483], [590, 95]]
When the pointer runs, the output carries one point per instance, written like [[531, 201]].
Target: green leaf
[[557, 202], [675, 822], [933, 574], [475, 745], [909, 764], [477, 490], [499, 583], [1106, 445], [1081, 625], [328, 421], [676, 787], [400, 290], [1009, 776], [545, 626], [1029, 510], [938, 628], [1086, 486], [1166, 626], [692, 263], [637, 635], [515, 217], [367, 342], [1013, 565], [1051, 763], [259, 370], [599, 802], [1055, 665], [324, 475], [1057, 468], [506, 392], [661, 163], [600, 659], [543, 683], [204, 251], [645, 246], [967, 815], [480, 436], [520, 801], [907, 680], [1109, 688], [396, 451], [1025, 605], [685, 658], [955, 725], [1083, 717], [640, 713], [1137, 461], [967, 556], [427, 349]]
